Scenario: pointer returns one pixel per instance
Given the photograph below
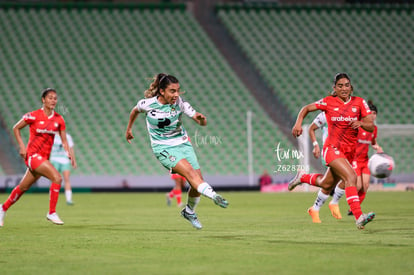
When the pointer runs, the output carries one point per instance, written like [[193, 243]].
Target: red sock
[[352, 198], [14, 196], [53, 197], [361, 195], [171, 194], [310, 178], [177, 194]]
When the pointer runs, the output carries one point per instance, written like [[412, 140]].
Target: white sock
[[206, 190], [320, 200], [68, 195], [191, 204], [337, 195]]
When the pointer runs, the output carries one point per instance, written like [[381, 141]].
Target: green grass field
[[136, 233]]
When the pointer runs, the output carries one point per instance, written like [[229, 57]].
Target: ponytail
[[160, 82]]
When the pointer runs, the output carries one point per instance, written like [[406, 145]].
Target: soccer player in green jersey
[[164, 107]]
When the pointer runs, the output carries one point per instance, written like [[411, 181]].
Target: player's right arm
[[317, 123], [16, 130], [132, 117], [316, 150], [297, 128]]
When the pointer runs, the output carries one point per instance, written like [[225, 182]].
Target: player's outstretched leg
[[296, 180], [220, 201], [206, 190]]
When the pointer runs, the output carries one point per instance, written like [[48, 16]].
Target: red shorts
[[361, 167], [33, 161], [176, 176], [331, 153]]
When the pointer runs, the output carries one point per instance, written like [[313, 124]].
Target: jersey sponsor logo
[[162, 122], [45, 131], [364, 141], [342, 118]]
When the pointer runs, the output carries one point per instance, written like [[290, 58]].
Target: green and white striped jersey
[[58, 153], [164, 121], [320, 121]]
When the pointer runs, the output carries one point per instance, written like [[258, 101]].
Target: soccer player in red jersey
[[344, 114], [176, 192], [360, 163], [44, 124]]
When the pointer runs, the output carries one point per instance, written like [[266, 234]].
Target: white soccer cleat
[[54, 218], [364, 219], [2, 214], [296, 180]]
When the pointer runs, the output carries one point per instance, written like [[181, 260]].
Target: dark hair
[[46, 91], [372, 107], [339, 76], [160, 81]]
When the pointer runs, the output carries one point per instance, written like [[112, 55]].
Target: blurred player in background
[[265, 179], [44, 123], [176, 192], [59, 158], [164, 107], [320, 123], [360, 163], [345, 114]]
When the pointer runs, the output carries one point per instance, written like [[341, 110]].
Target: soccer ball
[[381, 165]]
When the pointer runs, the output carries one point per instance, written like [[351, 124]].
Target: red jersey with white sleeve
[[42, 131], [365, 138], [339, 114]]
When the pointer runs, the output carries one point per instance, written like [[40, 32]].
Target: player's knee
[[57, 178], [352, 179]]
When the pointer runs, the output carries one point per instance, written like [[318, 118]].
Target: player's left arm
[[367, 120], [366, 123], [200, 119]]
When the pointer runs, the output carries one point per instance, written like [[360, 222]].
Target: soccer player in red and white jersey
[[344, 114], [44, 124], [360, 163]]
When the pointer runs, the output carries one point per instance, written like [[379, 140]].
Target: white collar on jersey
[[51, 115], [349, 100]]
